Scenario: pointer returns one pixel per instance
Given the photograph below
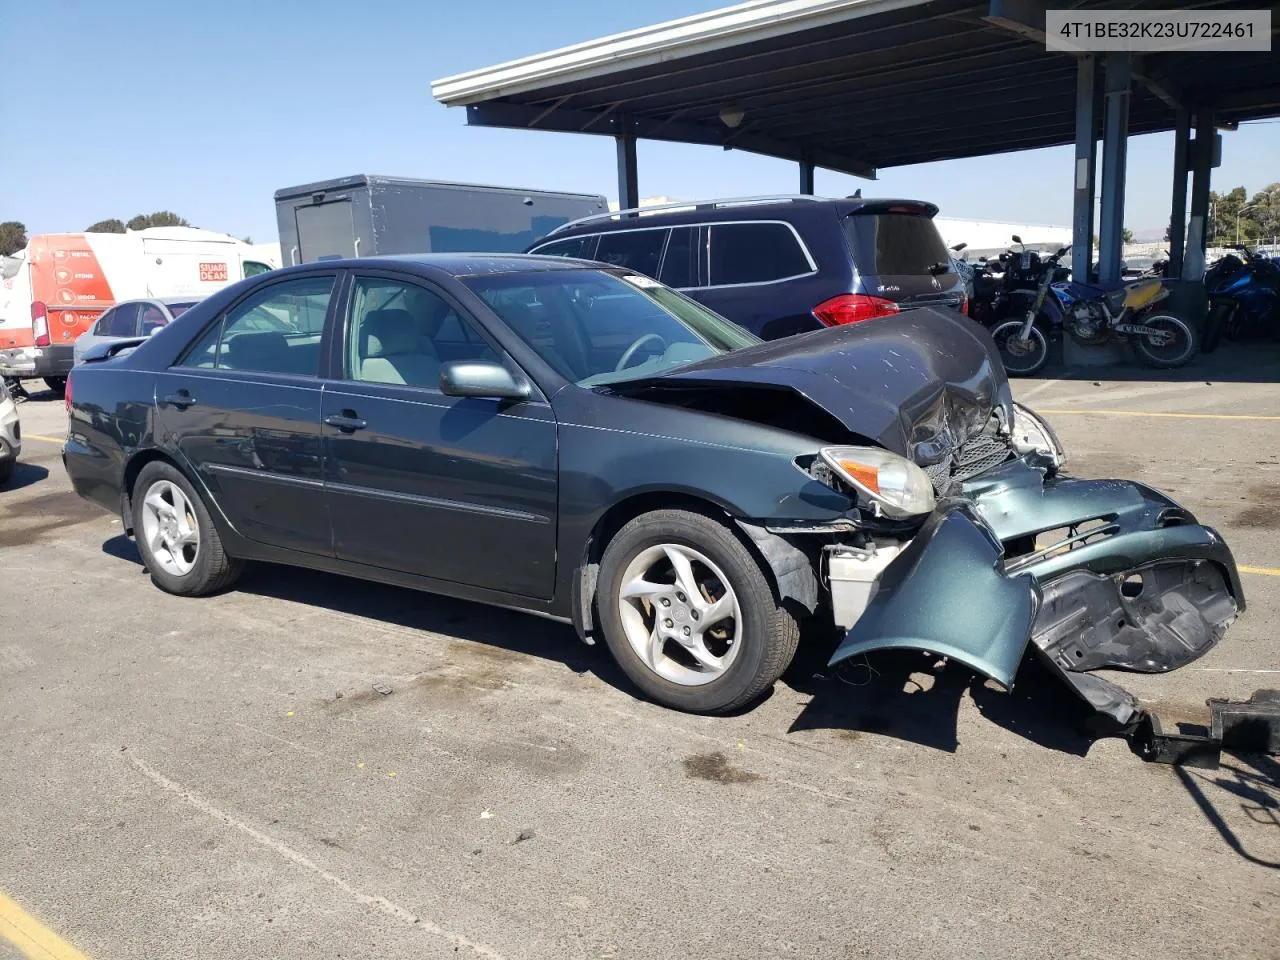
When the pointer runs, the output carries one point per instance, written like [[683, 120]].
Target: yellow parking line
[[1264, 571], [1179, 416], [32, 938], [41, 436]]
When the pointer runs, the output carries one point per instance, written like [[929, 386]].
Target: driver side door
[[458, 489]]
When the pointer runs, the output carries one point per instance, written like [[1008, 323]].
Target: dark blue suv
[[778, 265]]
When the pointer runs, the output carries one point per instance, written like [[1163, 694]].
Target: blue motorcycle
[[1244, 298], [1093, 314]]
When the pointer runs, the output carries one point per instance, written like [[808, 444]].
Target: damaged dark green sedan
[[584, 443]]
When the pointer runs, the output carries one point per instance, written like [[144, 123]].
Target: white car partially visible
[[10, 434]]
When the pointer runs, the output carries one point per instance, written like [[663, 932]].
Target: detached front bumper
[[1122, 577]]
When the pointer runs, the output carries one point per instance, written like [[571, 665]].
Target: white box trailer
[[365, 216]]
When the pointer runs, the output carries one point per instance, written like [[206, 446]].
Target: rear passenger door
[[459, 489], [242, 406]]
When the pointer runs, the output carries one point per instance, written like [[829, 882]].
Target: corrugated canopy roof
[[851, 85]]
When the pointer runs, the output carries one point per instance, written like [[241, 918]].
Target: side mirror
[[1016, 238], [1062, 251], [153, 329], [481, 378], [959, 246]]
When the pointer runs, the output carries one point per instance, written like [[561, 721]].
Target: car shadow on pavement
[[916, 698], [462, 619], [24, 475]]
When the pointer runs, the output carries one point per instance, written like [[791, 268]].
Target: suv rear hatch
[[899, 255]]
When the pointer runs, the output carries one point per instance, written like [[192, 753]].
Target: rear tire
[[1177, 353], [58, 385], [167, 511], [741, 654], [1021, 359]]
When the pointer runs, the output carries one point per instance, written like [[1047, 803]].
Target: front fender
[[946, 594]]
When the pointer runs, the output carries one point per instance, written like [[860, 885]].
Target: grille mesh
[[976, 455]]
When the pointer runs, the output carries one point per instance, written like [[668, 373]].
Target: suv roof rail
[[688, 205]]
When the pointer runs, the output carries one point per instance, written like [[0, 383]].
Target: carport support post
[[1086, 154], [628, 173], [1114, 147], [806, 177], [1202, 163], [1178, 214]]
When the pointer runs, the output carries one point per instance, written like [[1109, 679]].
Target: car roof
[[167, 301], [450, 264], [712, 211]]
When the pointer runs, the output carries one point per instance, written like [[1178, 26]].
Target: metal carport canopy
[[852, 85]]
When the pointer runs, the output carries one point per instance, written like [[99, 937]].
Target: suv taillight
[[40, 324], [68, 393], [964, 305], [852, 308]]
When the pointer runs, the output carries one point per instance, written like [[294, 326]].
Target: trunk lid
[[899, 255]]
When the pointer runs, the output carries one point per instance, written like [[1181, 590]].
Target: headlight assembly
[[895, 486], [1030, 432]]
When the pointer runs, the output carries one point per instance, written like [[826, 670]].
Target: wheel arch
[[133, 469], [622, 511]]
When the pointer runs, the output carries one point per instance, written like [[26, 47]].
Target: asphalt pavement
[[220, 778]]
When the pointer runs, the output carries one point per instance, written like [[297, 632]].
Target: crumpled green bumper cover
[[1150, 589]]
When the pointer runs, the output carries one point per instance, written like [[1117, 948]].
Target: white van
[[57, 288]]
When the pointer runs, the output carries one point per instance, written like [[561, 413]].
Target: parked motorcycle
[[1244, 298], [1094, 314]]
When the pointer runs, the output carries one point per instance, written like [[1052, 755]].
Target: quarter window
[[755, 253], [401, 333], [638, 250], [276, 330], [581, 247]]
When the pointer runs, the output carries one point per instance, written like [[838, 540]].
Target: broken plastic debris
[[382, 688], [289, 714], [522, 836], [486, 814]]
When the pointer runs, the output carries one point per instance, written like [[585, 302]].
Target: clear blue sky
[[112, 109]]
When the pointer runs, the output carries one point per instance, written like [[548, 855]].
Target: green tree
[[13, 237], [106, 226], [161, 218], [1231, 216], [248, 240], [1263, 209], [1126, 235]]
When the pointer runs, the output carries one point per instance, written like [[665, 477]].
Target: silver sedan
[[132, 318]]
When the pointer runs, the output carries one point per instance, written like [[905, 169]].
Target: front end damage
[[1088, 574]]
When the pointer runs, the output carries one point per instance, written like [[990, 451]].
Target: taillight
[[40, 324], [68, 393], [964, 305], [852, 308]]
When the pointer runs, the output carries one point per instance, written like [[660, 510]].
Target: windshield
[[596, 327]]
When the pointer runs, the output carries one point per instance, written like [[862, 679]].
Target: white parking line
[[288, 853]]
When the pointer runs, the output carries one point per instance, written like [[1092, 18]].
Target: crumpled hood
[[917, 383]]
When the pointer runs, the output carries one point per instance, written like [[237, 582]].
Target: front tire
[[1021, 358], [689, 614], [1176, 352], [176, 536]]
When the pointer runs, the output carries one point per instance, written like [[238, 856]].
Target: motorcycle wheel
[[1220, 315], [1179, 349], [1021, 358]]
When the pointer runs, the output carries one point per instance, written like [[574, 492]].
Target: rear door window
[[124, 321], [895, 244], [275, 330], [755, 253], [583, 248], [638, 250]]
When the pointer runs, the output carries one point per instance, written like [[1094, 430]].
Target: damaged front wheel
[[689, 614]]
